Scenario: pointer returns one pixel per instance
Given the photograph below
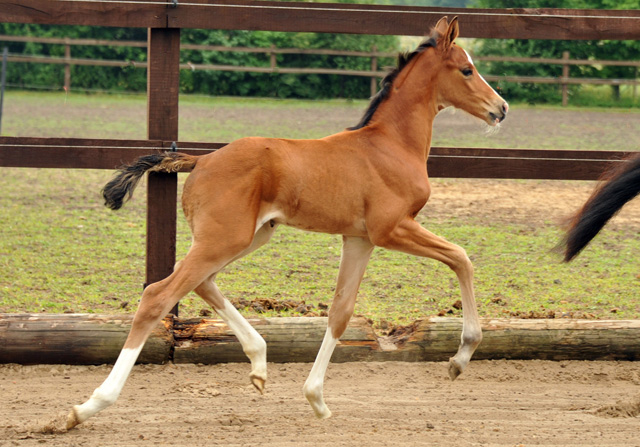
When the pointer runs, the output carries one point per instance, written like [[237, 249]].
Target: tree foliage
[[591, 49], [203, 82]]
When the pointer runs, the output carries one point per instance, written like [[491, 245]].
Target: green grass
[[602, 96], [61, 250]]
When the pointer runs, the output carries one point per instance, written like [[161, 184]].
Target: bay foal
[[367, 184]]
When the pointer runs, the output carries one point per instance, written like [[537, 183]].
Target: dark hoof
[[454, 370]]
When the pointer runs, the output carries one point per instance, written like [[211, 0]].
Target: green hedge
[[29, 75]]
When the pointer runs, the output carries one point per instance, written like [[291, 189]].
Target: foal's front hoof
[[454, 369], [258, 382]]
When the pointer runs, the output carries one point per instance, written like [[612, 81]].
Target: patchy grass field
[[62, 251]]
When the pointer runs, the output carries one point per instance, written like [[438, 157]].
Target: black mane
[[385, 85]]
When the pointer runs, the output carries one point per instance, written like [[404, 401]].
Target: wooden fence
[[164, 22], [563, 81]]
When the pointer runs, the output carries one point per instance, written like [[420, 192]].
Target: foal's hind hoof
[[454, 369], [72, 419], [258, 382]]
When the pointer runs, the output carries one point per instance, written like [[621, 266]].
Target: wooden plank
[[443, 162], [33, 59], [548, 23], [283, 70], [569, 154], [521, 164], [551, 61], [61, 12], [72, 153], [309, 51], [560, 80], [68, 41], [542, 23], [163, 83], [80, 339]]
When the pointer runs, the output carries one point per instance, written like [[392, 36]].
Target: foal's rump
[[622, 184]]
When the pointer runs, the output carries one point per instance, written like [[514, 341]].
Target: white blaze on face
[[471, 62]]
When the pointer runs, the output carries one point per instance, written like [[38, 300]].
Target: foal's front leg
[[355, 256], [410, 237]]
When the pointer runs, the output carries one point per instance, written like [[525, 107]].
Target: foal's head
[[458, 82]]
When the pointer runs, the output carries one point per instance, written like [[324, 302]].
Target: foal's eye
[[467, 71]]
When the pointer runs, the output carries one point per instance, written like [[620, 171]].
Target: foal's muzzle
[[497, 118]]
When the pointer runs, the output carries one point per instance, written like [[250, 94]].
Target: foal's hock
[[366, 183]]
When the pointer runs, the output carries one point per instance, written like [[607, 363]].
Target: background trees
[[313, 85], [591, 49]]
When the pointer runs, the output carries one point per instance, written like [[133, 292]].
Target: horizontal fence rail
[[273, 67], [69, 153], [516, 23]]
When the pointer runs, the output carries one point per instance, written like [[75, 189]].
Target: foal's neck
[[407, 114]]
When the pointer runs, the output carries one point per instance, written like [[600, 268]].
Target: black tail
[[121, 187], [622, 184]]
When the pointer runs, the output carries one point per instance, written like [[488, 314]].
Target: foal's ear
[[442, 26], [450, 34]]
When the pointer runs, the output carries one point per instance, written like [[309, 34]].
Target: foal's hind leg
[[157, 300], [252, 342], [355, 256]]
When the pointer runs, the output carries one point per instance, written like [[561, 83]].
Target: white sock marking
[[107, 393], [313, 387]]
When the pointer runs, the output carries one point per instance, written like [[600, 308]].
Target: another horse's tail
[[622, 184], [121, 187]]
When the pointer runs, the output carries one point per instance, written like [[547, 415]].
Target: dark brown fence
[[164, 21], [563, 81]]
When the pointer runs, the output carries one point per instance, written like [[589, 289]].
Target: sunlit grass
[[61, 250]]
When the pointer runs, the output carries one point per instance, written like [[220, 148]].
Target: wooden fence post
[[3, 79], [635, 85], [67, 66], [272, 60], [374, 67], [565, 76], [163, 79]]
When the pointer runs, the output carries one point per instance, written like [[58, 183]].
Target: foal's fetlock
[[258, 356], [316, 400]]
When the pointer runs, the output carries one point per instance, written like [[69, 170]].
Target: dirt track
[[379, 404]]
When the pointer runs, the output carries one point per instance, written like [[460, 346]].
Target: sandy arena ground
[[494, 403]]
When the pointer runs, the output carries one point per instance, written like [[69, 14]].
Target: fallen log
[[528, 339], [432, 339], [95, 339], [80, 339], [289, 339]]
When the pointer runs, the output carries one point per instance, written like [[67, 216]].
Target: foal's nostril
[[505, 108]]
